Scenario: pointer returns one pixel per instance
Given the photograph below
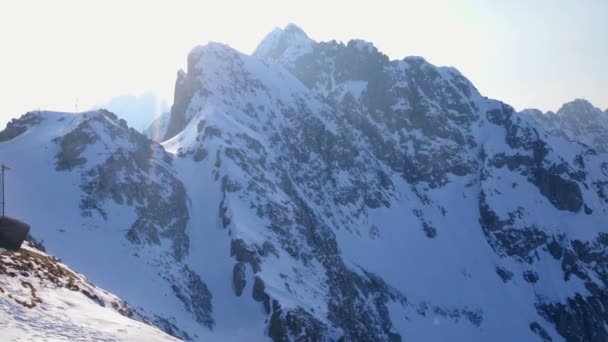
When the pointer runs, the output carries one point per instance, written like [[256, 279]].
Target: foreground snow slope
[[105, 199], [42, 299], [320, 191]]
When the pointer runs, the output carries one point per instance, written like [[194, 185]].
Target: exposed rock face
[[16, 127], [238, 278], [581, 316], [185, 89], [427, 124], [136, 176], [195, 295]]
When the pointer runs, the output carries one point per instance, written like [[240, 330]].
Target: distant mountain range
[[578, 121], [140, 111], [319, 191]]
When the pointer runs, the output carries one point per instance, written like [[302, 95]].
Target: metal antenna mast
[[4, 168]]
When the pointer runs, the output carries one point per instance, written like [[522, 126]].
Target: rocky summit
[[319, 191]]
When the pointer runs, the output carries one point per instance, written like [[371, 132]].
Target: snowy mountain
[[109, 204], [42, 299], [577, 121], [320, 191]]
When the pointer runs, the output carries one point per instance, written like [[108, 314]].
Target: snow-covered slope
[[43, 300], [320, 191]]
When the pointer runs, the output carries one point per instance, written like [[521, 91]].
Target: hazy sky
[[538, 53]]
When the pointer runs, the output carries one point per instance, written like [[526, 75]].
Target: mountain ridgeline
[[319, 191]]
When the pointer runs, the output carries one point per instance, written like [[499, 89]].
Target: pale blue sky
[[538, 53]]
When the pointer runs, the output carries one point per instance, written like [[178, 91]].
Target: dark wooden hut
[[12, 233]]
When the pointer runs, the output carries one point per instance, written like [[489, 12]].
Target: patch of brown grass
[[29, 264]]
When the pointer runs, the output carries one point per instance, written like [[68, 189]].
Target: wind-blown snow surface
[[318, 191], [43, 300]]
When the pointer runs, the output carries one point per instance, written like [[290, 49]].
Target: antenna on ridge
[[4, 168], [12, 232], [76, 105]]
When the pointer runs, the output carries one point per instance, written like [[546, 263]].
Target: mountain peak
[[289, 43], [292, 181], [292, 28], [215, 48], [577, 107], [363, 45], [531, 111], [212, 50], [415, 59], [578, 120]]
